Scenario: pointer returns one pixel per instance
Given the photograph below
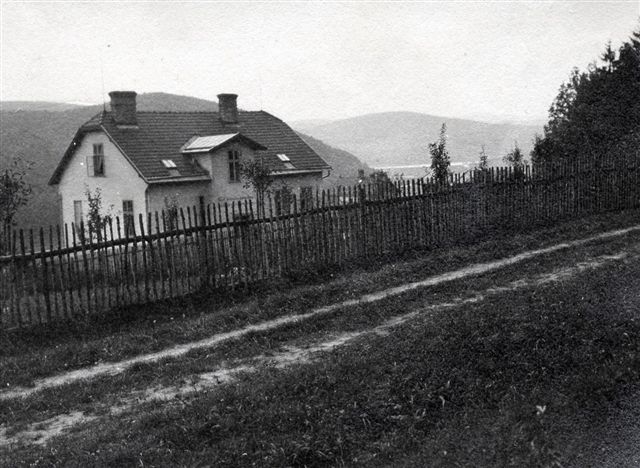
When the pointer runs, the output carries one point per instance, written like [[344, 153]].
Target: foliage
[[515, 159], [440, 161], [379, 177], [15, 191], [257, 176], [97, 222], [282, 199], [382, 183], [596, 112], [171, 212], [483, 163]]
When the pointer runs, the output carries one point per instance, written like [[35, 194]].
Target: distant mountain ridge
[[162, 102], [42, 135], [402, 138], [16, 106]]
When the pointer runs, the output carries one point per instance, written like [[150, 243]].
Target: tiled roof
[[161, 135]]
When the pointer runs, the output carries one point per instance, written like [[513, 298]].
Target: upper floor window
[[234, 165], [98, 159]]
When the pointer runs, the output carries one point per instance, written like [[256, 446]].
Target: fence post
[[17, 288]]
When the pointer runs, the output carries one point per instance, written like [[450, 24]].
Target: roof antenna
[[262, 43], [104, 103]]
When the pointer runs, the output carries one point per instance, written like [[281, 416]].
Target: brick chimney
[[123, 107], [228, 108]]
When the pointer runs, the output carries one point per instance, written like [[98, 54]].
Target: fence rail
[[54, 274]]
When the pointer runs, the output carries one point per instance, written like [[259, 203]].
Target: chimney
[[123, 107], [228, 108]]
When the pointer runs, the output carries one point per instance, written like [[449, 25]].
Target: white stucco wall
[[185, 195], [224, 191], [120, 182]]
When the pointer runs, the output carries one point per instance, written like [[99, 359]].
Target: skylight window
[[169, 164], [288, 165], [283, 157]]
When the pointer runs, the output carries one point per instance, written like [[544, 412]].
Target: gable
[[79, 162]]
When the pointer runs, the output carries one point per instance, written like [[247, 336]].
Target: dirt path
[[180, 350], [40, 432]]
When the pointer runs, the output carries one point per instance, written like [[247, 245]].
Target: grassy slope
[[479, 371], [40, 353]]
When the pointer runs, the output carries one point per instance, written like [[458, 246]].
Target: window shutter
[[89, 163]]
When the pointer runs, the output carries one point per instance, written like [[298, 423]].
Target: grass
[[25, 356], [102, 393], [516, 380]]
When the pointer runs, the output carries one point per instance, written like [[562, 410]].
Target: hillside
[[307, 124], [145, 102], [13, 106], [42, 136], [344, 165], [397, 138]]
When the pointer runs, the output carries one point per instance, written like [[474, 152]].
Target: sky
[[311, 60]]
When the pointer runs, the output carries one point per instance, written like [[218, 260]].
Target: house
[[144, 162]]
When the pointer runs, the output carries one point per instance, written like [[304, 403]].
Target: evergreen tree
[[440, 156], [596, 114], [483, 164], [515, 159]]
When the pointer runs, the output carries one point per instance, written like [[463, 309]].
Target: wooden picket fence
[[54, 274]]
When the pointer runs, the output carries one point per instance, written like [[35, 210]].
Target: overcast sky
[[311, 60]]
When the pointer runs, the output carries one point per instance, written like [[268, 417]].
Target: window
[[77, 215], [98, 160], [171, 167], [306, 198], [234, 166], [285, 161], [282, 200], [128, 218]]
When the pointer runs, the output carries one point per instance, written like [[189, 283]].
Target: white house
[[141, 160]]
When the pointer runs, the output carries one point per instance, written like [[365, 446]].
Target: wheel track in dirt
[[39, 433], [115, 368]]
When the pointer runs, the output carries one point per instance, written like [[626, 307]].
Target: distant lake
[[416, 171]]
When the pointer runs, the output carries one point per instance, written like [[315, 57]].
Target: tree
[[96, 220], [608, 56], [15, 191], [515, 159], [596, 112], [170, 215], [381, 182], [483, 164], [440, 156], [379, 177], [257, 176]]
